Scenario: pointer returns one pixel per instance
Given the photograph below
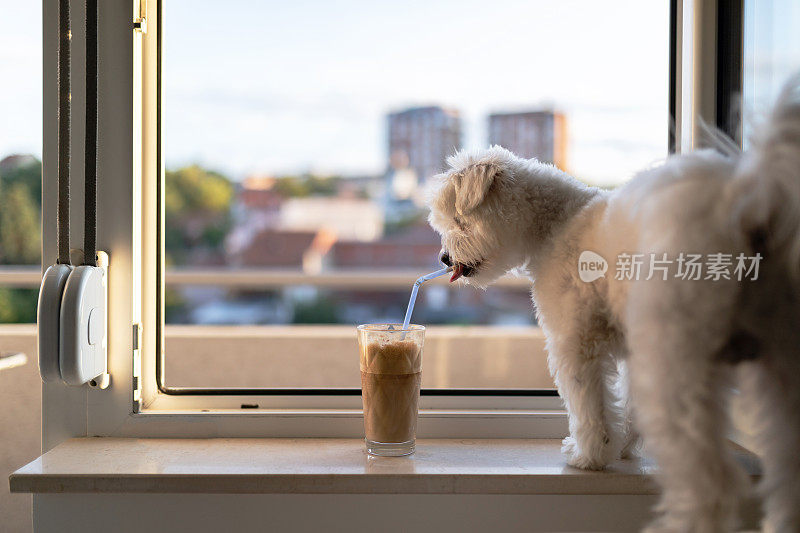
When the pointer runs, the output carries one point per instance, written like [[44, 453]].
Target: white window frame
[[127, 229]]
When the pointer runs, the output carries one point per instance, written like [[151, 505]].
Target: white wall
[[137, 513], [20, 423]]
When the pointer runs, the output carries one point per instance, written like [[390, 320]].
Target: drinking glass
[[391, 370]]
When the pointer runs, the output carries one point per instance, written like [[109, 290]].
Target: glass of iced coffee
[[391, 369]]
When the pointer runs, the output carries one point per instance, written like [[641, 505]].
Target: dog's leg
[[678, 390], [770, 390], [680, 413], [631, 440], [583, 370]]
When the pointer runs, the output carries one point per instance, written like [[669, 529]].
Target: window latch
[[140, 16]]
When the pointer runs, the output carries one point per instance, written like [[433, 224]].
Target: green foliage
[[29, 175], [214, 236], [196, 190], [306, 185], [174, 305], [291, 187], [197, 204], [323, 310], [18, 305], [20, 214], [20, 235], [20, 226]]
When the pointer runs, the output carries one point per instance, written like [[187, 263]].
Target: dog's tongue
[[457, 270]]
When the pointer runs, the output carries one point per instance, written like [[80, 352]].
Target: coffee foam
[[395, 357]]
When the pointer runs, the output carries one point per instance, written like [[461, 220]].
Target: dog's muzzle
[[444, 257], [459, 269]]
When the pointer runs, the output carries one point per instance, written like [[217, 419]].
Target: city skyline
[[421, 138], [325, 113], [232, 103], [319, 104], [533, 133]]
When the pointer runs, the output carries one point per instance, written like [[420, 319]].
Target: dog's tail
[[767, 204]]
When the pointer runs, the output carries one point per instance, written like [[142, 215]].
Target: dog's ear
[[472, 184]]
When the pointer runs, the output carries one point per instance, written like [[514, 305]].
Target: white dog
[[680, 337]]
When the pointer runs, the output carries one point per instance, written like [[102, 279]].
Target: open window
[[261, 194], [296, 143]]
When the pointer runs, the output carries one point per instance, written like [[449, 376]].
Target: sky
[[284, 87], [20, 77], [305, 86]]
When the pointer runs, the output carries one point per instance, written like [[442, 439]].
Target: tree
[[20, 233], [18, 306], [291, 187], [306, 185], [20, 226], [28, 174], [196, 190], [322, 310], [197, 203]]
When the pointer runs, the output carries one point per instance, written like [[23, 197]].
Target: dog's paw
[[631, 450], [569, 446], [586, 463], [629, 454], [578, 459]]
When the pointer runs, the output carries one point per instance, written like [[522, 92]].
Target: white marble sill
[[322, 466]]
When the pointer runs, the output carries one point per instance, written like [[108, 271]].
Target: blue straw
[[415, 290]]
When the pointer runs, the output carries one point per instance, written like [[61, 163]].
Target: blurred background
[[298, 140]]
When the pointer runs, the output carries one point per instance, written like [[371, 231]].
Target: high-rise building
[[539, 134], [421, 139]]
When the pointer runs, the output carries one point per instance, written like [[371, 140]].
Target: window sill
[[322, 466]]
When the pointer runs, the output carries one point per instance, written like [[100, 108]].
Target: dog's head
[[473, 207]]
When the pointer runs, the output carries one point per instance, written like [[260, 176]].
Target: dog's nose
[[444, 258]]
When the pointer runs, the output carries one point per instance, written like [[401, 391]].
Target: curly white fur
[[679, 341]]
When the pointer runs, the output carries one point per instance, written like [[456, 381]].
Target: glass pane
[[20, 154], [771, 53], [298, 140]]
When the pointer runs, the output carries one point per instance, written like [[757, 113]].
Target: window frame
[[131, 167], [256, 396], [705, 70]]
